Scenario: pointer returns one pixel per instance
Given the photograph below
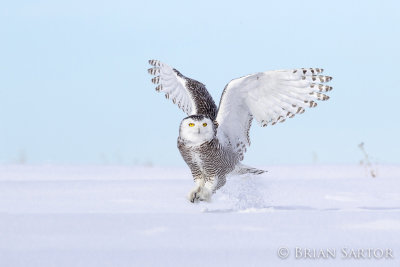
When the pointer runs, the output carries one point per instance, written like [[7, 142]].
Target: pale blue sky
[[74, 86]]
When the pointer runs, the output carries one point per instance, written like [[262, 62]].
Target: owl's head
[[197, 129]]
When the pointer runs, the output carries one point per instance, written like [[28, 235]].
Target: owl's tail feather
[[243, 169]]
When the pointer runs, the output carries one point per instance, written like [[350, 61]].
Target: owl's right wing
[[268, 97], [190, 95]]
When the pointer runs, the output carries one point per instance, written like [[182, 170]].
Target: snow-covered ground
[[139, 216]]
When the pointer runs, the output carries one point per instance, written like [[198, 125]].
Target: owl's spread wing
[[268, 97], [190, 95]]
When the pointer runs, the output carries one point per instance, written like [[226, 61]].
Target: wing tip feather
[[153, 71], [154, 62]]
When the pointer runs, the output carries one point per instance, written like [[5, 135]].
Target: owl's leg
[[211, 185], [194, 194], [209, 188]]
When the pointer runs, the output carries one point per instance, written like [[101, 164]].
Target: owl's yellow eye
[[204, 124], [191, 124]]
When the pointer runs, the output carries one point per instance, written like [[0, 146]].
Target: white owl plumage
[[268, 97]]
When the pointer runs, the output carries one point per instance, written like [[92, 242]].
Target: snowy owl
[[213, 141]]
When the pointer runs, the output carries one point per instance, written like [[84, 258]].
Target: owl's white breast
[[196, 159]]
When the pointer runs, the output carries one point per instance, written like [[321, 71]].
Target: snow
[[139, 216]]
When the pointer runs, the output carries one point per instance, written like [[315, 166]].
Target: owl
[[212, 141]]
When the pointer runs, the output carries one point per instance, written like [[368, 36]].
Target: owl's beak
[[198, 131]]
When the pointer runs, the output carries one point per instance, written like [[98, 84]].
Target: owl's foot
[[205, 194], [202, 191], [194, 195], [200, 194]]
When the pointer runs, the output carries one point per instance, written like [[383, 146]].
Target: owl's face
[[197, 129]]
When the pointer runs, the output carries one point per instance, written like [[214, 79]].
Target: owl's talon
[[194, 195], [195, 198]]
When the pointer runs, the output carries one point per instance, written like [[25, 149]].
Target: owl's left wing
[[190, 95], [268, 97]]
